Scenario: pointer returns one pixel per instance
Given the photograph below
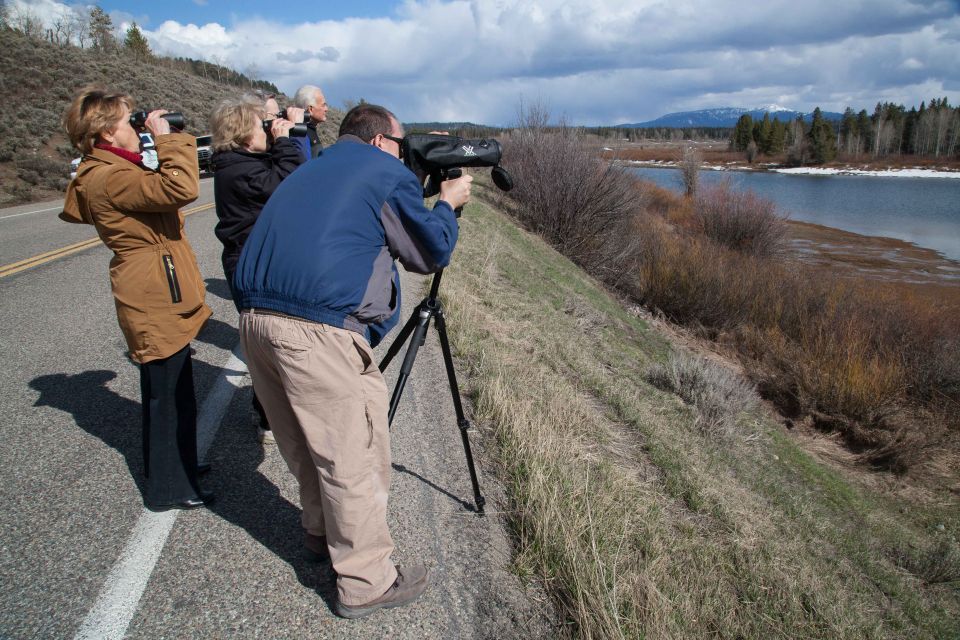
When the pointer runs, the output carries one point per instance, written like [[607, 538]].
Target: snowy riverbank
[[882, 173], [809, 171]]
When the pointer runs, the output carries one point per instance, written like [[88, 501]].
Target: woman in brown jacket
[[156, 284]]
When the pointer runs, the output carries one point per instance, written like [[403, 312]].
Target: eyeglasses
[[399, 141]]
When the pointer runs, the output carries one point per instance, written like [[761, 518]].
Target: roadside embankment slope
[[644, 524]]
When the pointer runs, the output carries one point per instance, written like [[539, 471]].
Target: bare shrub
[[575, 200], [690, 162], [938, 564], [740, 220], [855, 355], [752, 152], [718, 395]]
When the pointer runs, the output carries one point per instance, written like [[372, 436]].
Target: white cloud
[[598, 61]]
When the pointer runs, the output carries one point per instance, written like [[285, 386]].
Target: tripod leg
[[462, 421], [419, 334], [401, 338]]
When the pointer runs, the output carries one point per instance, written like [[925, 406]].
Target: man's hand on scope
[[456, 193]]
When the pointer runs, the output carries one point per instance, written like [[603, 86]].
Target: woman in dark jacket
[[248, 165], [156, 284]]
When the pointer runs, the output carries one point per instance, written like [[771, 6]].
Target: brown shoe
[[315, 548], [410, 583]]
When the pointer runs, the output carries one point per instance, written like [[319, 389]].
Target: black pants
[[229, 267], [169, 429]]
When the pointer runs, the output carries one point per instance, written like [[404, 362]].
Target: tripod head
[[441, 157]]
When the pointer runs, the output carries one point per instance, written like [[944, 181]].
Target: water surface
[[924, 211]]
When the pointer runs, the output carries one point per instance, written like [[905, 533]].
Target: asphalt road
[[80, 557]]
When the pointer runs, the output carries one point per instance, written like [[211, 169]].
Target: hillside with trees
[[43, 65]]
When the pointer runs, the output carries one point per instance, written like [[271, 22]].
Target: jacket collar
[[349, 137]]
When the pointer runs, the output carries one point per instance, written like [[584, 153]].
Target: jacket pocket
[[172, 281]]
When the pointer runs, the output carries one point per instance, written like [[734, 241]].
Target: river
[[924, 211]]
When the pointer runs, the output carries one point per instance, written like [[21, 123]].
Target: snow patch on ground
[[888, 173]]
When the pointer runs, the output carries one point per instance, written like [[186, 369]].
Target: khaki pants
[[327, 405]]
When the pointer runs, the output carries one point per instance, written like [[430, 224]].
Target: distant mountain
[[724, 117]]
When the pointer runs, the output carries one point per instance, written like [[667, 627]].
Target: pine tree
[[822, 144], [743, 133], [136, 44], [848, 131], [101, 30], [778, 136], [764, 132]]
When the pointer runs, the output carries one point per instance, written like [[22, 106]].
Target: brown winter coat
[[156, 283]]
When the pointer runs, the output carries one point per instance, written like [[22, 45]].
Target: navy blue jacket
[[324, 246]]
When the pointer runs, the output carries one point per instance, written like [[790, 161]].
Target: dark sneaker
[[410, 583], [315, 548]]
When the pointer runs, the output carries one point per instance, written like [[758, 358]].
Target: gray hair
[[306, 96]]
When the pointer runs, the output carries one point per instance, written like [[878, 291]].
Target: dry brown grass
[[640, 522]]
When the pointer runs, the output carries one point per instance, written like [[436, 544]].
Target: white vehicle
[[148, 151], [204, 152]]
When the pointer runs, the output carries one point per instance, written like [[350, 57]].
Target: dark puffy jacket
[[323, 248], [242, 183]]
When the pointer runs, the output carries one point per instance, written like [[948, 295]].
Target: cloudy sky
[[591, 61]]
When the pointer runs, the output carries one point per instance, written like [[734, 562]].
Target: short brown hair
[[93, 111], [233, 121], [366, 121]]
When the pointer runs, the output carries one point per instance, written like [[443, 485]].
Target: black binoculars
[[138, 120], [296, 131], [285, 114]]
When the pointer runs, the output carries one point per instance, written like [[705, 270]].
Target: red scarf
[[135, 158]]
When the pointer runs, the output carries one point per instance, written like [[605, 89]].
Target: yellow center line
[[49, 256]]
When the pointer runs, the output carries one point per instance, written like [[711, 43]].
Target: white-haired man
[[310, 99]]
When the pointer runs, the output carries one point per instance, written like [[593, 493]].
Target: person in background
[[310, 99], [318, 288], [157, 288], [249, 163]]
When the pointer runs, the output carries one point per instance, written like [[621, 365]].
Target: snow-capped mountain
[[725, 117]]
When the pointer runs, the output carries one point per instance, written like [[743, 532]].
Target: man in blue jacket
[[318, 287]]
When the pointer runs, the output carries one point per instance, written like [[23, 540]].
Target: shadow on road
[[249, 500], [245, 497], [463, 503], [219, 334], [99, 411], [219, 288]]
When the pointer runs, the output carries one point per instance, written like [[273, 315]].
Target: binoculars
[[138, 120]]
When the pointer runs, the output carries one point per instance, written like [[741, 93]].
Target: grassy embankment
[[641, 522]]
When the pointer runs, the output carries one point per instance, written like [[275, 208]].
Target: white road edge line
[[127, 580], [26, 213]]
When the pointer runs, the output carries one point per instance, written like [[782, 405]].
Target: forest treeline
[[931, 131]]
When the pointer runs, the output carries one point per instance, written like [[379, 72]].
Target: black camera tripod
[[431, 307]]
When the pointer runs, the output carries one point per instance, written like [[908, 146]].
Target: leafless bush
[[718, 395], [578, 202], [42, 171], [938, 564], [751, 152], [739, 220], [690, 162]]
